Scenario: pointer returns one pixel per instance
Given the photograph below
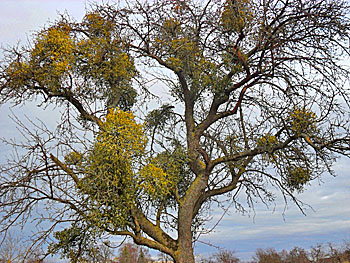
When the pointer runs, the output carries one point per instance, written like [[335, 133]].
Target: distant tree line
[[13, 250], [318, 254]]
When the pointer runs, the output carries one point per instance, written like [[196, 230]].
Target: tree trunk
[[184, 253]]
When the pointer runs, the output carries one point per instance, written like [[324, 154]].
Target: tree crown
[[260, 101]]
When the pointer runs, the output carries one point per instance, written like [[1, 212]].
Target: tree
[[15, 249], [144, 256], [226, 256], [267, 256], [257, 97], [131, 253], [330, 253], [223, 256], [297, 255], [128, 253]]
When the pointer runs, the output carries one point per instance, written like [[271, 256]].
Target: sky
[[328, 221]]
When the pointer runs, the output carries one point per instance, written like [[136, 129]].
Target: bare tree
[[15, 249], [223, 256], [297, 255], [268, 255]]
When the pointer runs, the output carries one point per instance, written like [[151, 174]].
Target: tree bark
[[184, 253]]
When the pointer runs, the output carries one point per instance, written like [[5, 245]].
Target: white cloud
[[330, 214]]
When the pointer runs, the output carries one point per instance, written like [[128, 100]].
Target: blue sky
[[329, 222]]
